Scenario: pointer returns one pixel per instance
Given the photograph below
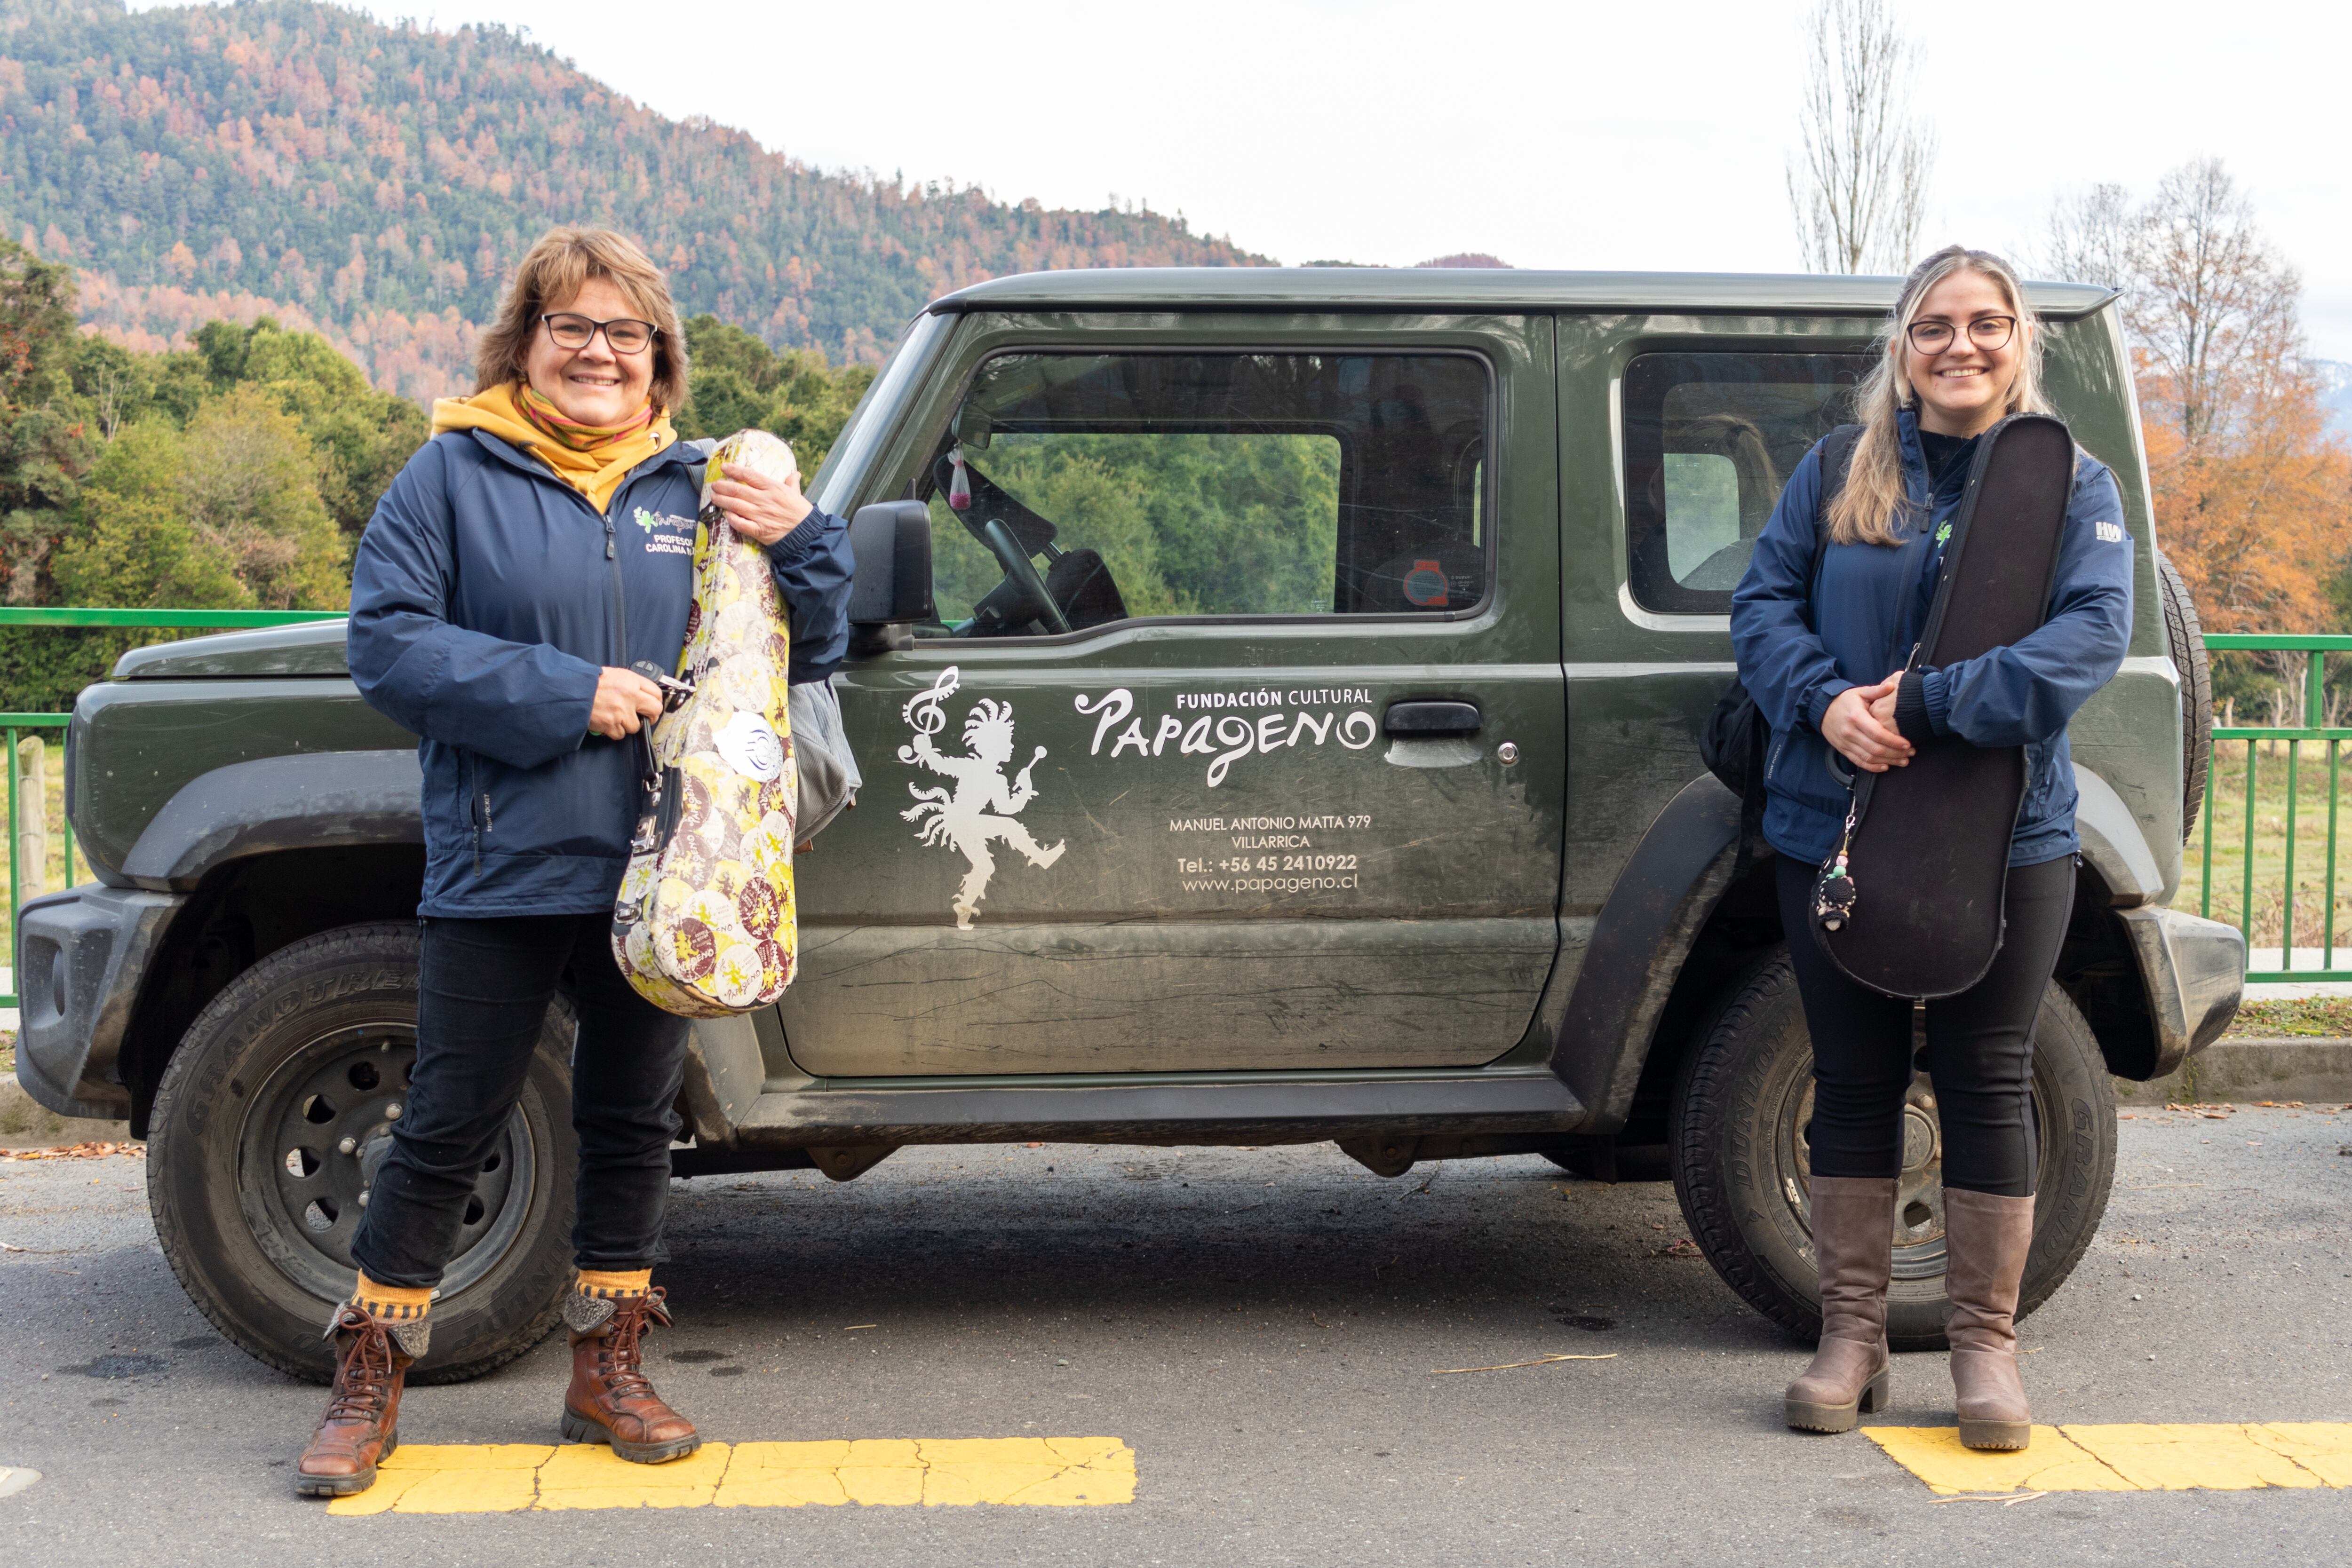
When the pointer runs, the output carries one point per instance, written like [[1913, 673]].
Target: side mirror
[[891, 541]]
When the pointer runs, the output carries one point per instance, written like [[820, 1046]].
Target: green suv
[[1277, 694]]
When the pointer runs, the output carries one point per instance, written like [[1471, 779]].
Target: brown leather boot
[[363, 1419], [1988, 1238], [610, 1400], [1853, 1242]]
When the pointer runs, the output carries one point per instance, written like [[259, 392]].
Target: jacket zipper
[[477, 807], [620, 594]]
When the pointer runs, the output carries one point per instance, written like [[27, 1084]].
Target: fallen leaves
[[75, 1151], [1680, 1247]]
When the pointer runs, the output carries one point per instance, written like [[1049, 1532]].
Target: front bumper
[[2194, 973], [81, 957]]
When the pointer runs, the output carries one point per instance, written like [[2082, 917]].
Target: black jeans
[[1979, 1044], [482, 997]]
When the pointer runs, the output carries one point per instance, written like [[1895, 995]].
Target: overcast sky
[[1567, 135]]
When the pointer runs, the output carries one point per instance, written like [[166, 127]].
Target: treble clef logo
[[926, 711]]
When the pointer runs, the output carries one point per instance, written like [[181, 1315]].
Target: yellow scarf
[[595, 471]]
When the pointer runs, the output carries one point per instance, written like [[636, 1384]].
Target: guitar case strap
[[1927, 846]]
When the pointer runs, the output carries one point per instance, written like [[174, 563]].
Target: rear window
[[1710, 439]]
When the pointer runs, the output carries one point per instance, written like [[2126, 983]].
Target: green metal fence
[[18, 727], [2258, 831], [2252, 834]]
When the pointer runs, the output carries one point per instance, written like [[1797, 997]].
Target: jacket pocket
[[474, 774], [1805, 777]]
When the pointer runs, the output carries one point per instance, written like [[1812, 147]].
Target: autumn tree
[[2254, 496], [2092, 237], [43, 443], [1858, 186], [2213, 309]]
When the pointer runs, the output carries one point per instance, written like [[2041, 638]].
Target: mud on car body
[[1277, 694]]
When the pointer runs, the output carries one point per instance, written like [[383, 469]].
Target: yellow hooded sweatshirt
[[595, 471]]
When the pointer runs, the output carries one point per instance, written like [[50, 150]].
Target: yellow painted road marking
[[2221, 1457], [2051, 1463], [511, 1478]]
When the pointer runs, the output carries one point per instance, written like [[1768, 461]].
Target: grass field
[[55, 873], [2226, 804]]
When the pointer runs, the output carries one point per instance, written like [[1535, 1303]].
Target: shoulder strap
[[1837, 461], [700, 468]]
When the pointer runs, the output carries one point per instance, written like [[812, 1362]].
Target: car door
[[1239, 742], [1677, 436]]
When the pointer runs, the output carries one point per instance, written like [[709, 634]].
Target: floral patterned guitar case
[[705, 925]]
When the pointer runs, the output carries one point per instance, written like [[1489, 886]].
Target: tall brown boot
[[1987, 1238], [611, 1400], [363, 1419], [1853, 1242]]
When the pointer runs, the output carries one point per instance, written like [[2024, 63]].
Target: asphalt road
[[1260, 1327]]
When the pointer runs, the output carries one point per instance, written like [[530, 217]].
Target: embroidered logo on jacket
[[665, 535], [2109, 533]]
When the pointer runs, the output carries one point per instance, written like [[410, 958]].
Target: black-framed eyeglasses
[[1989, 333], [624, 335]]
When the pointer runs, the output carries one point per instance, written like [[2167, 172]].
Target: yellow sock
[[611, 1282], [395, 1304]]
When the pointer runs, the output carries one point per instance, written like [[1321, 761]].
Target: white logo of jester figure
[[963, 816]]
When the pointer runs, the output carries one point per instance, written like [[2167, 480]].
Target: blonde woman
[[538, 547], [1960, 353]]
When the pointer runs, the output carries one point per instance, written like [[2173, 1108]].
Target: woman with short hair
[[1814, 630], [533, 553]]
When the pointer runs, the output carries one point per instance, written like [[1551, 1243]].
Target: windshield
[[845, 466]]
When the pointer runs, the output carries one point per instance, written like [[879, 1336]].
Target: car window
[[1710, 439], [1158, 484]]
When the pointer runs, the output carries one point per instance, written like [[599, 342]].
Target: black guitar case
[[1928, 854]]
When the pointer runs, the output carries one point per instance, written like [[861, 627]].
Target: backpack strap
[[1837, 462], [701, 468]]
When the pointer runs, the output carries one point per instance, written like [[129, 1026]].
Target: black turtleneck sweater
[[1943, 454]]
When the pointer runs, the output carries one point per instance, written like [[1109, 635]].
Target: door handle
[[1425, 720]]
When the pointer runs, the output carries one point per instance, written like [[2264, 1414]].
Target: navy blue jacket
[[1872, 603], [487, 598]]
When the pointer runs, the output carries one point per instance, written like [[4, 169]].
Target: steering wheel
[[1021, 573]]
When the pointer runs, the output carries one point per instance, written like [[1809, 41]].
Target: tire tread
[[382, 943], [1711, 1195]]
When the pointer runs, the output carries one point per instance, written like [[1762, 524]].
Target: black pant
[[482, 998], [1979, 1044]]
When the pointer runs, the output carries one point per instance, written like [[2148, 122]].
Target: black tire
[[321, 1035], [2184, 639], [1736, 1121]]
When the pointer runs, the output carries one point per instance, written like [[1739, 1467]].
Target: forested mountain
[[377, 183]]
